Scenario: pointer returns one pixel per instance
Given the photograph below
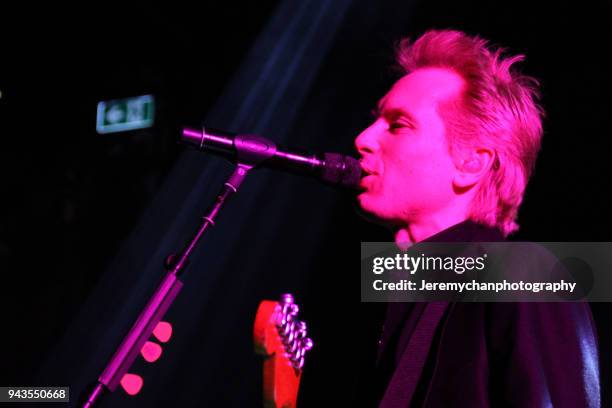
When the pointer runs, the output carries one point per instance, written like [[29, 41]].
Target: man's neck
[[419, 231]]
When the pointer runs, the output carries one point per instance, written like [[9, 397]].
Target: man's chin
[[365, 204], [368, 211]]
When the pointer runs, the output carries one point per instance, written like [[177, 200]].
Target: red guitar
[[281, 339]]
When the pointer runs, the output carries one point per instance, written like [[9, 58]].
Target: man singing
[[447, 159]]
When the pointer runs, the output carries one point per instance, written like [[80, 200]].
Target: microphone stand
[[169, 288]]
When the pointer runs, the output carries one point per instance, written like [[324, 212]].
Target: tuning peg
[[301, 329], [286, 319], [294, 309], [303, 345], [288, 308], [151, 351], [307, 343], [286, 299], [300, 364], [288, 330], [163, 331], [286, 313], [299, 353], [293, 346], [131, 383]]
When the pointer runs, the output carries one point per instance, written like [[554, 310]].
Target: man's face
[[404, 153]]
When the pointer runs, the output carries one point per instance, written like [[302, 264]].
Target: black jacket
[[496, 354]]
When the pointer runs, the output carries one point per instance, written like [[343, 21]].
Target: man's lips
[[366, 170], [365, 181], [367, 173]]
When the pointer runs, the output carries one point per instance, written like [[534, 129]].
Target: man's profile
[[447, 159]]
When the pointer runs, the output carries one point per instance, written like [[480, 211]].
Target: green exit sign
[[120, 115]]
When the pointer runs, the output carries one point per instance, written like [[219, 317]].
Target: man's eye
[[396, 126]]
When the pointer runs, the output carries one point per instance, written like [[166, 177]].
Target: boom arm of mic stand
[[161, 300]]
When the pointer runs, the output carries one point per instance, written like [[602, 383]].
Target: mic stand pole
[[163, 297]]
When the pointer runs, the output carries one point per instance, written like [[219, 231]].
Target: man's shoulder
[[503, 326], [520, 312]]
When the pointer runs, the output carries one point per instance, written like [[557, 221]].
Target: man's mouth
[[366, 181], [366, 171]]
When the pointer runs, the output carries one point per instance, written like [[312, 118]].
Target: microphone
[[331, 168]]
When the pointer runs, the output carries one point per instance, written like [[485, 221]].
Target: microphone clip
[[253, 149]]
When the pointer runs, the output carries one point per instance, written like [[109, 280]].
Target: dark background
[[85, 216]]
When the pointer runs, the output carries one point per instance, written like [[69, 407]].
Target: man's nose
[[366, 142]]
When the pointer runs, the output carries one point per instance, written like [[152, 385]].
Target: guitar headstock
[[281, 338]]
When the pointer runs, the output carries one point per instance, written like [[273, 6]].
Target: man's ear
[[473, 167]]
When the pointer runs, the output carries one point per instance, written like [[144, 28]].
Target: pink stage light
[[131, 383], [163, 331], [151, 351]]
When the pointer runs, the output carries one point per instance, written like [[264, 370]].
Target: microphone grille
[[342, 170]]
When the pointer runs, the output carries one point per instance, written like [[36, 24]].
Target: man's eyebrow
[[395, 113], [376, 112], [392, 112]]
